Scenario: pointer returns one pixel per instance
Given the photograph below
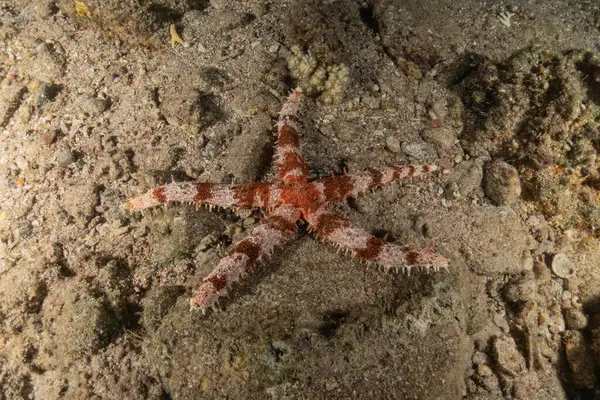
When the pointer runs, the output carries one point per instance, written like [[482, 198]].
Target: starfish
[[289, 200]]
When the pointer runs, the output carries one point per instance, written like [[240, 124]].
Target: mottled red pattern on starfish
[[289, 200]]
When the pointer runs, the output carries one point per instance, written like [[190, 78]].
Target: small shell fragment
[[562, 266]]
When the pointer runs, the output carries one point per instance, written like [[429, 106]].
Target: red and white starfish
[[288, 200]]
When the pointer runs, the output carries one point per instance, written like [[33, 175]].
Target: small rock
[[522, 290], [85, 326], [575, 319], [21, 162], [22, 115], [80, 202], [327, 130], [507, 357], [49, 137], [468, 175], [201, 48], [228, 20], [579, 359], [445, 141], [44, 10], [92, 106], [371, 101], [438, 110], [47, 64], [479, 357], [484, 370], [501, 183], [274, 48], [331, 384], [249, 222], [259, 8], [452, 191], [45, 94], [64, 157], [419, 150], [555, 328], [212, 149], [184, 106], [218, 4], [541, 271], [409, 68], [208, 241], [562, 266], [526, 262], [501, 322], [393, 144]]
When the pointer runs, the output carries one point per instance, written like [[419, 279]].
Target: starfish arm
[[360, 244], [337, 188], [292, 167], [250, 195], [244, 255]]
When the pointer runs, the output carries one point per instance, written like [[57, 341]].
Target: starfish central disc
[[302, 196]]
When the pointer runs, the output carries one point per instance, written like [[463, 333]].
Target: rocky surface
[[101, 100]]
